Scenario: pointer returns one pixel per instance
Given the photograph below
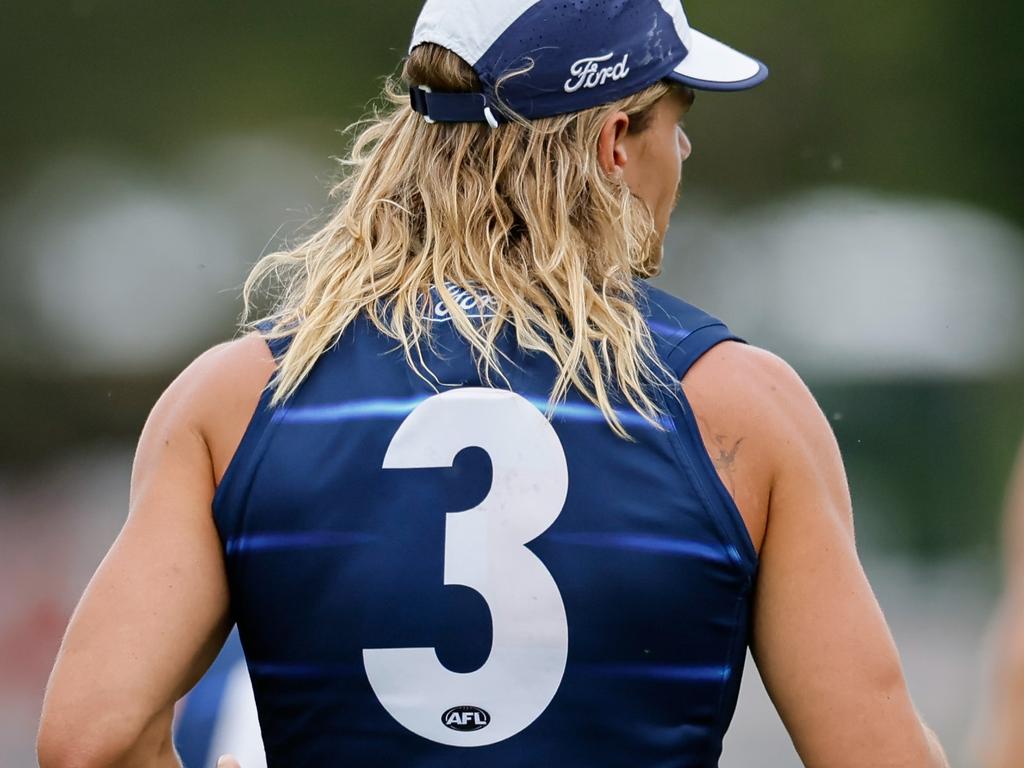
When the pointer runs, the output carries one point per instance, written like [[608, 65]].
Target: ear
[[611, 147]]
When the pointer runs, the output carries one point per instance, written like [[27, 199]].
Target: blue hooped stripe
[[652, 544], [670, 672], [304, 540], [293, 540], [306, 671], [367, 410], [710, 674], [359, 410]]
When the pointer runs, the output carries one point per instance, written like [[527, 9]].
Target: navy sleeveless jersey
[[454, 579]]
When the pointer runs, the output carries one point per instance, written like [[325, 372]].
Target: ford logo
[[466, 718]]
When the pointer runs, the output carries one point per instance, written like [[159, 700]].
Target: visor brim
[[714, 66]]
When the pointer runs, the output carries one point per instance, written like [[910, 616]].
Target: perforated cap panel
[[467, 27]]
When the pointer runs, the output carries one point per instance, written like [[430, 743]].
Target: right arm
[[1005, 743], [820, 640]]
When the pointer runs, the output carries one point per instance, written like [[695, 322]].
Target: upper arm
[[1003, 739], [156, 612], [819, 638]]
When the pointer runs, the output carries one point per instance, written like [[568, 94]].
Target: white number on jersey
[[485, 550]]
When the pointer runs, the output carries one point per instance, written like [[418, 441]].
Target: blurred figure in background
[[1002, 737], [219, 715]]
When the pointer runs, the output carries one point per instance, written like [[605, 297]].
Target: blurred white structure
[[125, 270], [849, 284]]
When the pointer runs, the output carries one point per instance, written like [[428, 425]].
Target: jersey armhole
[[230, 492], [693, 452]]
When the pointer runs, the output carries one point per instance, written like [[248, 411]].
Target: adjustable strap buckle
[[452, 107]]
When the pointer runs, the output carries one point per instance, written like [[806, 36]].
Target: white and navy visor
[[573, 55]]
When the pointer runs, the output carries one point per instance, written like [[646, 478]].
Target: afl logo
[[466, 719]]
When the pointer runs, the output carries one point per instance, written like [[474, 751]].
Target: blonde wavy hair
[[523, 214]]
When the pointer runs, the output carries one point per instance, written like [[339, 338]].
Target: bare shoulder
[[749, 379], [755, 413], [233, 365], [217, 394], [756, 391]]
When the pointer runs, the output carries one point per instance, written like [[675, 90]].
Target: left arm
[[155, 613]]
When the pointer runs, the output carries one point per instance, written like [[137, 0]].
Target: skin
[[1004, 744], [155, 613], [650, 162]]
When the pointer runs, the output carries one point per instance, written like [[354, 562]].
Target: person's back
[[502, 503], [620, 630]]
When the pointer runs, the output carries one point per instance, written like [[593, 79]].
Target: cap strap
[[452, 107]]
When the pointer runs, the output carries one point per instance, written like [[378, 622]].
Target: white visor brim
[[714, 66]]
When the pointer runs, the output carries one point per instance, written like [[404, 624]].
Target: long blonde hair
[[523, 214]]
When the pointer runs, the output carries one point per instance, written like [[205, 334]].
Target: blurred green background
[[861, 214]]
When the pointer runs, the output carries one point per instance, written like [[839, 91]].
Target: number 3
[[485, 550]]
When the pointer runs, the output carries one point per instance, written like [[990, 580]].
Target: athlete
[[502, 503], [1003, 738]]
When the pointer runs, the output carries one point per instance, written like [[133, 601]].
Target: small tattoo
[[725, 462], [727, 456]]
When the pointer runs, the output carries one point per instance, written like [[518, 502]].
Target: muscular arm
[[1004, 744], [155, 613], [820, 640]]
